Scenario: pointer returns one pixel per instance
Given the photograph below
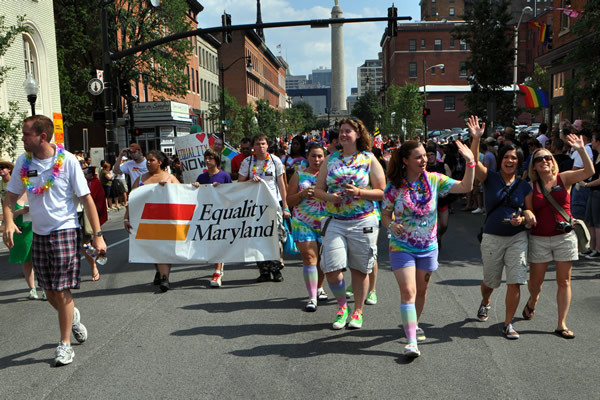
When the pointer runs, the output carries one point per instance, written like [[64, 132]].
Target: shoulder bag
[[581, 230], [501, 202]]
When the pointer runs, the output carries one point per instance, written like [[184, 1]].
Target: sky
[[304, 48]]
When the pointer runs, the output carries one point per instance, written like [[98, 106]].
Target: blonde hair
[[532, 174]]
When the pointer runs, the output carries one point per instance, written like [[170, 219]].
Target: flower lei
[[50, 181], [264, 168], [417, 197], [350, 162]]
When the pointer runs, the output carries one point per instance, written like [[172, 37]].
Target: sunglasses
[[542, 158]]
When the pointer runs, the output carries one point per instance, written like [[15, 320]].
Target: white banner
[[179, 224], [190, 150]]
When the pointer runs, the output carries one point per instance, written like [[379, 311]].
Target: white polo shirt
[[55, 208]]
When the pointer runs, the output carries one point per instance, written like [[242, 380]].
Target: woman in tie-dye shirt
[[410, 213], [306, 222], [350, 181]]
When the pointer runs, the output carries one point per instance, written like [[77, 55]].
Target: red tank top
[[545, 213]]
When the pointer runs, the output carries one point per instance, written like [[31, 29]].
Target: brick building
[[419, 46], [264, 80]]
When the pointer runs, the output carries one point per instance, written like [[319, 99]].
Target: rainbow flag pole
[[534, 98]]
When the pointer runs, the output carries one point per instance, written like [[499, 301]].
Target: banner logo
[[165, 212]]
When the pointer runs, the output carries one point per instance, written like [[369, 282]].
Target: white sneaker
[[63, 354], [33, 294], [420, 335], [311, 305], [477, 211], [411, 351], [78, 329], [322, 295], [216, 279]]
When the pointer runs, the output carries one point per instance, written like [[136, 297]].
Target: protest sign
[[181, 224], [190, 150]]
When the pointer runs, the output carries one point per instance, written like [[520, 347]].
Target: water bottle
[[92, 252]]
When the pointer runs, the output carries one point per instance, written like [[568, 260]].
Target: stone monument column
[[338, 87]]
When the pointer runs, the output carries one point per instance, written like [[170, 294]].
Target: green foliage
[[539, 80], [367, 110], [79, 49], [268, 119], [11, 124], [243, 119], [490, 59], [307, 120], [11, 121], [402, 103], [583, 92]]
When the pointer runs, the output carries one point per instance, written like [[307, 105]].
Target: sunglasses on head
[[542, 158]]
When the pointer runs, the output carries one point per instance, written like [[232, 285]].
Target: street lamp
[[425, 69], [31, 90], [222, 70], [526, 10]]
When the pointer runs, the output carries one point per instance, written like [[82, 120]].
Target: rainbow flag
[[229, 152], [543, 28], [534, 98]]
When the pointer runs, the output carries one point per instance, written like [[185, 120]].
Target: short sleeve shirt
[[268, 169], [219, 177], [495, 191], [577, 161], [134, 169], [421, 227], [55, 208]]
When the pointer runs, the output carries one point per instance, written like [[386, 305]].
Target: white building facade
[[33, 52]]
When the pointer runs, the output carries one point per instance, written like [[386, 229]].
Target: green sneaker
[[349, 292], [356, 320], [371, 298], [341, 316]]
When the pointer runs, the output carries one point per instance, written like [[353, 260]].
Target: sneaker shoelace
[[341, 311]]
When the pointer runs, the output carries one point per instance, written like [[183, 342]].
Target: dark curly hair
[[396, 168], [161, 157]]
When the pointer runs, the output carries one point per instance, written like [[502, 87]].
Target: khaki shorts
[[350, 243], [543, 249], [498, 252]]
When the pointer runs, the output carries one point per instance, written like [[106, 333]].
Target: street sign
[[95, 86], [227, 122], [59, 133]]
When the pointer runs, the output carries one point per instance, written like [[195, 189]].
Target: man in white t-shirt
[[580, 193], [135, 167], [53, 176], [542, 138], [266, 167]]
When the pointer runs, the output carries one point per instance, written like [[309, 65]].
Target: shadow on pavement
[[12, 360]]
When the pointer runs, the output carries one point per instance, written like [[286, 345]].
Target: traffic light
[[226, 21], [392, 24], [426, 112], [137, 132], [125, 88]]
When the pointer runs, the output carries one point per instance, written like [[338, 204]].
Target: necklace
[[50, 181], [264, 168], [349, 162], [417, 196]]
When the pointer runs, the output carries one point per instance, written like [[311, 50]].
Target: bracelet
[[390, 225], [125, 220], [472, 164], [358, 192], [285, 209]]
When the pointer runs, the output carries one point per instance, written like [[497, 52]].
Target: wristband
[[472, 165], [125, 220], [358, 192], [285, 209], [390, 225]]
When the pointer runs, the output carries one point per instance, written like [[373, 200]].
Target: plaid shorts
[[56, 259]]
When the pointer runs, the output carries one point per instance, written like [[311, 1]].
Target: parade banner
[[190, 150], [181, 224]]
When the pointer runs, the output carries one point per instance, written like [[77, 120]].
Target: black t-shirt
[[564, 162]]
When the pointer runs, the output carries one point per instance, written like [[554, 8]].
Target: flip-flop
[[528, 312], [96, 276], [565, 333]]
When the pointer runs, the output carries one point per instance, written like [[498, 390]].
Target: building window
[[433, 1], [433, 12], [462, 69], [193, 82], [451, 43], [30, 57], [412, 45], [451, 1], [449, 103], [422, 43], [412, 70], [187, 72], [463, 45], [197, 83], [437, 45], [565, 20], [451, 12]]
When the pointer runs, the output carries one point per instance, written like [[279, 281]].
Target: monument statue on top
[[338, 87]]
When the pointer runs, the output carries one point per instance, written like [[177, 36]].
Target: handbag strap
[[551, 200], [502, 201]]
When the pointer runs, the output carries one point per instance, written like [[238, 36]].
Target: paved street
[[249, 340]]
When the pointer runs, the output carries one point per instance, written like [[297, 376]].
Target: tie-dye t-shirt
[[421, 224], [355, 171], [298, 163], [310, 210]]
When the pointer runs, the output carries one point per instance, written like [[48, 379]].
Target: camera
[[563, 226], [128, 154], [516, 214]]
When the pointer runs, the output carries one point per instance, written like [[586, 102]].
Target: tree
[[307, 115], [131, 23], [539, 80], [402, 103], [490, 59], [11, 121], [367, 110], [583, 92], [268, 119]]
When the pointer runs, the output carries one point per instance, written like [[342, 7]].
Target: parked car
[[438, 133]]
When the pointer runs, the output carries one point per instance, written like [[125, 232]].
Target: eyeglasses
[[542, 158]]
